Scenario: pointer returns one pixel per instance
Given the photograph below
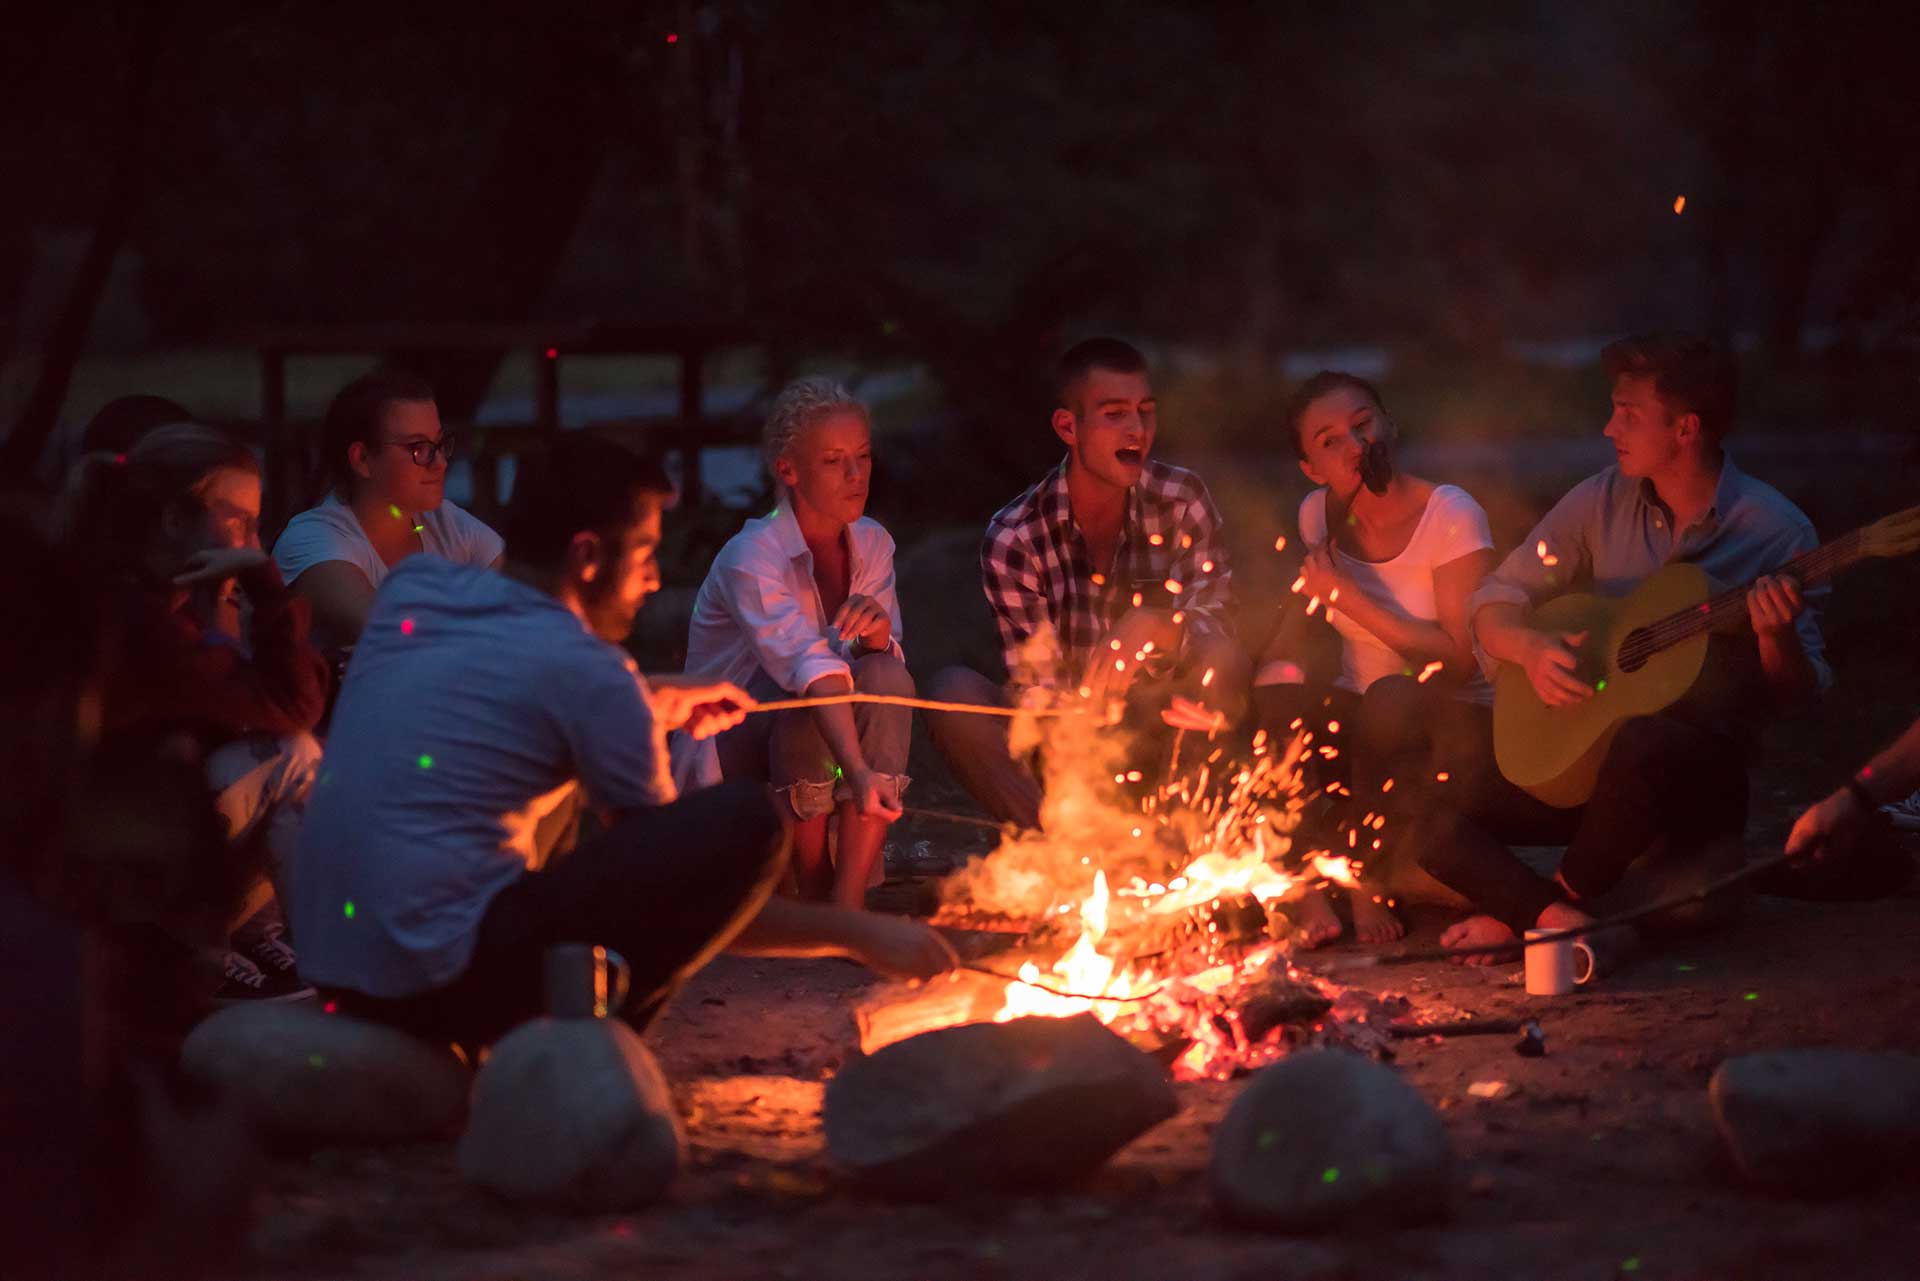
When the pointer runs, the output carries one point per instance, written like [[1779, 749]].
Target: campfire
[[1155, 908]]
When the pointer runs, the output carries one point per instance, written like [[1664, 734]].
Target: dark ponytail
[[115, 503]]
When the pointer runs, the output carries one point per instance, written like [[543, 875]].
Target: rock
[[1818, 1120], [993, 1107], [310, 1078], [1324, 1136], [575, 1113]]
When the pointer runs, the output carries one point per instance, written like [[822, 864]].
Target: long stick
[[925, 704], [1422, 955]]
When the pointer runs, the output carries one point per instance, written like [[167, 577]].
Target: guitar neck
[[1727, 610]]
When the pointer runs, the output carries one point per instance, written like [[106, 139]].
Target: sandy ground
[[1599, 1160]]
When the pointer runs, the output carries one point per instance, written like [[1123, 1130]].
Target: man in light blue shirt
[[476, 704], [1673, 785]]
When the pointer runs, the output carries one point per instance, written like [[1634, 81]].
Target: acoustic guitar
[[1643, 653]]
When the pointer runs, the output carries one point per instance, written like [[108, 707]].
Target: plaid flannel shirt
[[1040, 580]]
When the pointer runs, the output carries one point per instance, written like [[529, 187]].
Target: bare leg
[[812, 874], [1314, 919], [861, 840], [1373, 920]]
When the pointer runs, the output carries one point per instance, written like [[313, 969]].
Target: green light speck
[[1600, 685], [316, 1061], [1751, 996], [1630, 1264], [346, 909], [426, 762], [395, 509], [1330, 1175]]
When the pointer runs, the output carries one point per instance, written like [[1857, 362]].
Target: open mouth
[[1130, 456]]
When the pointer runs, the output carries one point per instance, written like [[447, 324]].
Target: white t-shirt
[[474, 706], [331, 531], [1452, 526]]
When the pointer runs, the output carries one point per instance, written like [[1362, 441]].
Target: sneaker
[[1905, 815], [267, 948], [246, 981]]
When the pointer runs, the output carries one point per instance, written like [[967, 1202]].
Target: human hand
[[866, 620], [1773, 603], [1551, 662], [1117, 660], [901, 949], [1323, 577], [1184, 713], [874, 795], [1827, 828], [701, 710], [216, 564]]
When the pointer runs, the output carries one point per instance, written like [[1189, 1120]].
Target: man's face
[[391, 475], [1334, 433], [1646, 435], [625, 572], [830, 466], [230, 501], [1108, 425]]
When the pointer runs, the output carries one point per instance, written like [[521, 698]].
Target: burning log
[[898, 1011]]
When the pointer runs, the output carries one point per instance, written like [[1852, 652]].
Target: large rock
[[992, 1107], [1324, 1137], [1818, 1120], [573, 1112], [307, 1077]]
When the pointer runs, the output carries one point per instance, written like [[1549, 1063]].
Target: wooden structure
[[289, 461]]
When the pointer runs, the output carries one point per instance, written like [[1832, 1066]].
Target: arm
[[1011, 578], [1774, 605], [340, 597], [282, 687], [1446, 640], [889, 945], [842, 737], [1497, 609], [1831, 825]]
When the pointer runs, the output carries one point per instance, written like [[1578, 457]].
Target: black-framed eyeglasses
[[423, 452]]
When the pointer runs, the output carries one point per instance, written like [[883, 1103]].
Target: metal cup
[[585, 981], [1556, 967]]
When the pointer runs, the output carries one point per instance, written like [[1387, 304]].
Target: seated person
[[1392, 558], [801, 603], [173, 525], [386, 458], [1673, 786], [478, 703], [1832, 828], [1109, 556]]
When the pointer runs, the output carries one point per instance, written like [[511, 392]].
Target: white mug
[[1556, 967]]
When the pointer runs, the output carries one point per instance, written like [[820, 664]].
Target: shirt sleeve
[[876, 579], [1010, 575], [1203, 568], [475, 542], [310, 539], [619, 749], [789, 644], [1525, 577]]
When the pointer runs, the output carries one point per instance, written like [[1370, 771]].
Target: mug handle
[[1584, 963], [620, 979]]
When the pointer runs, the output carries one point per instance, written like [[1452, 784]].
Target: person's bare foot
[[1479, 931], [1561, 916], [1314, 920], [1373, 920]]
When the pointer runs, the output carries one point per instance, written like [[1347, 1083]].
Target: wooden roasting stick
[[925, 704], [1421, 955]]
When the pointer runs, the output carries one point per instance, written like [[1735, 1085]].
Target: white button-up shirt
[[760, 610]]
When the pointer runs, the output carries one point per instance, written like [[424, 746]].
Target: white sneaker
[[1905, 814]]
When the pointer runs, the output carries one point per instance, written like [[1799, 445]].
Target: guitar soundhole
[[1635, 650]]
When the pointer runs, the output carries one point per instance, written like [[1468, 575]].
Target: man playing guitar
[[1672, 785]]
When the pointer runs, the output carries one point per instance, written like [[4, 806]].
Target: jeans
[[666, 888], [1667, 787], [787, 750]]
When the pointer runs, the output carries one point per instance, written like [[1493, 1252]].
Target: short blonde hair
[[800, 404]]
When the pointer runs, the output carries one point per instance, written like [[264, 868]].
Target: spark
[[1280, 543], [1298, 583], [1086, 691], [1119, 664], [1427, 672], [1333, 596], [426, 761], [1312, 605], [1206, 567], [1114, 643], [673, 37], [1441, 777], [1330, 1175], [1155, 539], [1138, 599], [346, 909], [1098, 580], [1207, 679], [1333, 727], [395, 509], [331, 1007], [1679, 204], [1173, 585], [1179, 617], [1387, 786]]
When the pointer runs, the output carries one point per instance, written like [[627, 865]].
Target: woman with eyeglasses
[[386, 457]]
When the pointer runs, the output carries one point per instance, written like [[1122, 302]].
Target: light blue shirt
[[1611, 531], [474, 706]]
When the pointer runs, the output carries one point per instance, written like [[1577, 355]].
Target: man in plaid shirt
[[1110, 568]]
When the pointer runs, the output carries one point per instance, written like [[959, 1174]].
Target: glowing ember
[[1427, 672]]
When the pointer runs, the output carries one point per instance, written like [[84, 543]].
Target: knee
[[959, 685], [882, 674]]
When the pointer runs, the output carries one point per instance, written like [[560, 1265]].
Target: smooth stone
[[574, 1113], [1325, 1137], [1818, 1120], [307, 1077], [993, 1107]]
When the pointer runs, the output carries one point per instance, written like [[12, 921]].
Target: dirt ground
[[1599, 1160]]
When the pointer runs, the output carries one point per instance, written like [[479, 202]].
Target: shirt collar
[[792, 543], [1726, 491]]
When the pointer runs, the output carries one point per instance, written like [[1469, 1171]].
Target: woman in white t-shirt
[[1390, 562], [386, 457]]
